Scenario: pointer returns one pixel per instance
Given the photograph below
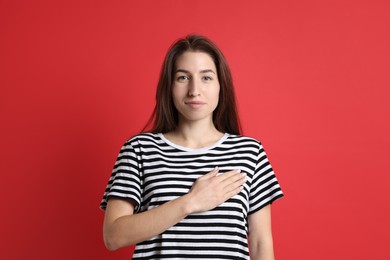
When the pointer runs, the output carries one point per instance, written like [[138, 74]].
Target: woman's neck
[[194, 135]]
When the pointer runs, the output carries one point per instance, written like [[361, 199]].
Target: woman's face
[[195, 88]]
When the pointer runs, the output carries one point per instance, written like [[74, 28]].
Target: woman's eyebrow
[[181, 70], [202, 71], [207, 70]]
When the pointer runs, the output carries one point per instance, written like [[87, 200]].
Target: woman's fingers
[[211, 174], [233, 182], [214, 189], [234, 192], [232, 177]]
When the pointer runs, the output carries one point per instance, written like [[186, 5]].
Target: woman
[[192, 187]]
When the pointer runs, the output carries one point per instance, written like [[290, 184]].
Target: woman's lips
[[194, 104]]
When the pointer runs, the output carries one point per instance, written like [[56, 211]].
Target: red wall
[[312, 77]]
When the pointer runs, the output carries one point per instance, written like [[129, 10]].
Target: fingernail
[[238, 170]]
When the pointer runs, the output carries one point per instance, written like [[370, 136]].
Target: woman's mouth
[[195, 104]]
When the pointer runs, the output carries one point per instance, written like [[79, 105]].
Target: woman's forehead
[[194, 61]]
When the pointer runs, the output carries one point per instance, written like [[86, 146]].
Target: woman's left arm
[[260, 235]]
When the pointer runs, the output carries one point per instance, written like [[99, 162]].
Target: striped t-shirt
[[151, 170]]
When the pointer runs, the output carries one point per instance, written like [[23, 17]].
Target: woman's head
[[165, 114]]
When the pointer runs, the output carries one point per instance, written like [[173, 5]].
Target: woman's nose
[[194, 88]]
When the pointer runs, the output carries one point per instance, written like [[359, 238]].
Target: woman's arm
[[260, 235], [123, 228]]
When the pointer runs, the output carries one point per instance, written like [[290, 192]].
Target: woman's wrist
[[187, 204]]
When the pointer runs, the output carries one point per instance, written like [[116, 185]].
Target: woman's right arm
[[123, 228]]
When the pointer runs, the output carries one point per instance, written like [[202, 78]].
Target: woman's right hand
[[213, 189], [122, 227]]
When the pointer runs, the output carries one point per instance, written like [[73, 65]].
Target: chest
[[166, 177]]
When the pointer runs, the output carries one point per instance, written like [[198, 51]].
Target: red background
[[312, 78]]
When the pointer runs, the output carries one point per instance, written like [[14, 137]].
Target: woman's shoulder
[[140, 138], [243, 141], [234, 138]]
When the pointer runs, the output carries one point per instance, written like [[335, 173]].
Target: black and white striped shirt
[[151, 170]]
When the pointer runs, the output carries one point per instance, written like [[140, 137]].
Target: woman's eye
[[207, 78], [183, 77]]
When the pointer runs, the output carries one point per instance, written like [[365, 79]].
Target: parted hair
[[165, 116]]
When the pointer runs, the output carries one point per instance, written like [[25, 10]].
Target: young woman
[[192, 187]]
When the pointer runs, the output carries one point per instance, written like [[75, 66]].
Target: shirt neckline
[[194, 150]]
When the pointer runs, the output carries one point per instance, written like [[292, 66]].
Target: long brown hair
[[165, 116]]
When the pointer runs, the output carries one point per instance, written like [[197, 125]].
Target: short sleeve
[[265, 188], [125, 181]]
